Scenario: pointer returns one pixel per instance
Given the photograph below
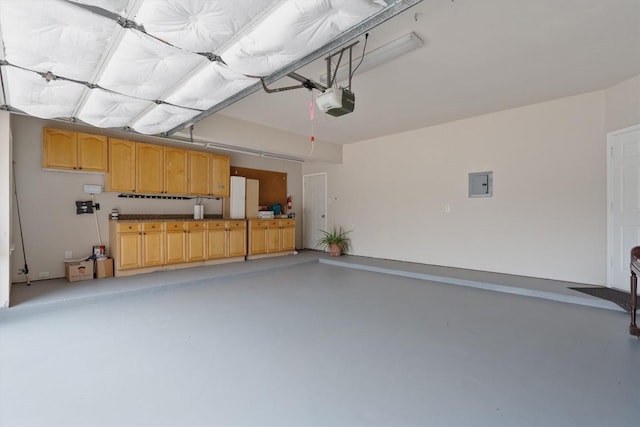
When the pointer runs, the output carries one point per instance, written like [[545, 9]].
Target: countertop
[[180, 217]]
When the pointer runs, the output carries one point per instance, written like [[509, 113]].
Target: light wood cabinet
[[149, 168], [126, 242], [69, 150], [175, 242], [199, 175], [258, 236], [196, 241], [236, 238], [92, 152], [216, 239], [226, 239], [272, 236], [175, 170], [152, 244], [122, 165], [288, 234], [143, 246], [220, 170]]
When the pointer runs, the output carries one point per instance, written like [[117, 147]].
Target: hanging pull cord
[[312, 116]]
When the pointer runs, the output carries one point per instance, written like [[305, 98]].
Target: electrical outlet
[[43, 274], [68, 254]]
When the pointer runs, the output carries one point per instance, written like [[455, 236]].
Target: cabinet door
[[92, 152], [199, 173], [122, 165], [257, 240], [288, 238], [273, 239], [152, 248], [175, 171], [220, 171], [196, 241], [217, 242], [129, 250], [59, 149], [149, 170], [237, 242], [176, 242]]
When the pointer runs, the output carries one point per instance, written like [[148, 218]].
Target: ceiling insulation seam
[[91, 86]]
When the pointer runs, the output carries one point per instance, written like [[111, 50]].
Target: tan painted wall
[[231, 131], [622, 105], [546, 219], [47, 201]]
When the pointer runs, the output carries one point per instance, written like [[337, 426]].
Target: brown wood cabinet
[[196, 241], [271, 236], [258, 236], [122, 166], [152, 244], [199, 175], [149, 168], [216, 239], [69, 150], [236, 238], [128, 244], [220, 169], [176, 163], [175, 242]]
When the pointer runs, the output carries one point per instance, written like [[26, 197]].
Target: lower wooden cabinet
[[236, 238], [196, 241], [152, 244], [176, 242], [142, 246], [273, 236]]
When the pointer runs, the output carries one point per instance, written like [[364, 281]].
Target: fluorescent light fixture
[[376, 57], [256, 153]]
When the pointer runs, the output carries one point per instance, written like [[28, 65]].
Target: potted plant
[[336, 240]]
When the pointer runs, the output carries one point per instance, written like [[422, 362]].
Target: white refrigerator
[[243, 198]]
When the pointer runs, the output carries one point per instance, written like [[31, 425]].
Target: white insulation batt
[[73, 59]]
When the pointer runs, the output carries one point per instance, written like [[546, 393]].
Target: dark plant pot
[[334, 250]]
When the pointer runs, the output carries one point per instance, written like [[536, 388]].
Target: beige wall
[[546, 219], [47, 201], [5, 208], [228, 130], [622, 105]]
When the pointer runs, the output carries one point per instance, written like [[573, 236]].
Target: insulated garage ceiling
[[155, 66]]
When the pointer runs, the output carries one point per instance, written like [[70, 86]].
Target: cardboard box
[[104, 268], [78, 270]]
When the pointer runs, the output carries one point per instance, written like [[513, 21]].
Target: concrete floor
[[294, 341]]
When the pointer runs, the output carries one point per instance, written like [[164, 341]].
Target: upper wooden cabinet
[[199, 165], [176, 163], [122, 165], [149, 168], [220, 171], [69, 150]]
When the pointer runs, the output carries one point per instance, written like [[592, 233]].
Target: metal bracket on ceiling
[[212, 57], [305, 83]]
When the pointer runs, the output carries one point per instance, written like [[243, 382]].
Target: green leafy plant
[[337, 240]]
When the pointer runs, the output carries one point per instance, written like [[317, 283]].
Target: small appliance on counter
[[198, 212], [266, 215]]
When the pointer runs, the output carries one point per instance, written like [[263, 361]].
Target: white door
[[623, 193], [314, 208]]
